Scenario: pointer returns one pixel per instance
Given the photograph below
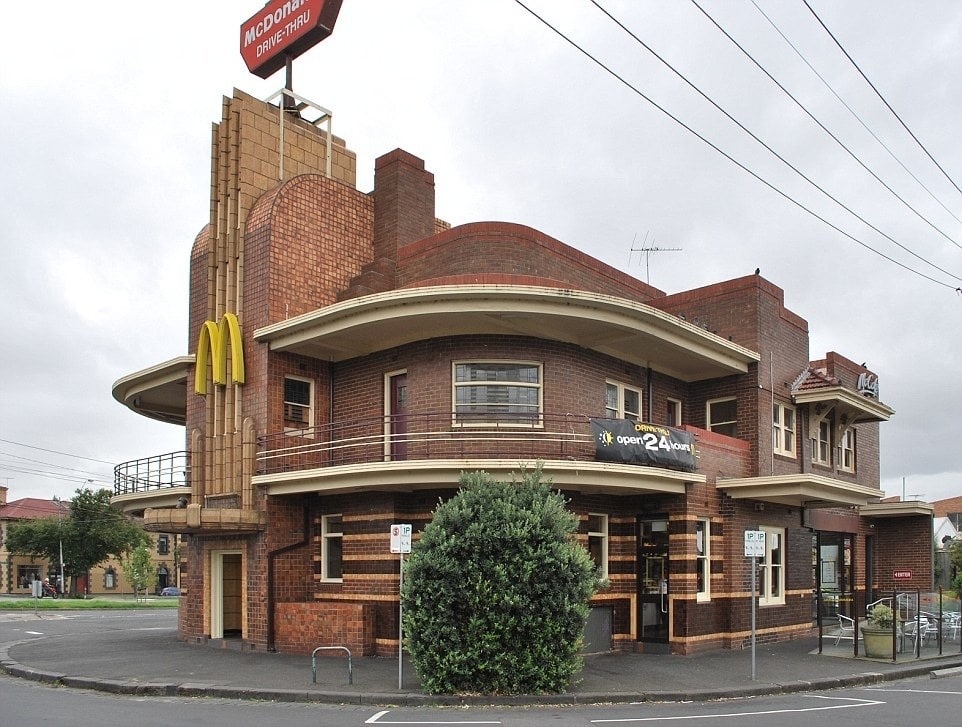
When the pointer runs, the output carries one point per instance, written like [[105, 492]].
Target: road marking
[[916, 691], [853, 703], [376, 719]]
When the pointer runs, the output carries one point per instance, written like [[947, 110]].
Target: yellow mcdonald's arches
[[215, 337]]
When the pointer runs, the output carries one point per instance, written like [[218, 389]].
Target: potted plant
[[877, 632]]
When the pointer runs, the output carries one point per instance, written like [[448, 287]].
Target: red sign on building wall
[[899, 574], [285, 28]]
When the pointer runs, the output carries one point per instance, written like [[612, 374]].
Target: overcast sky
[[105, 115]]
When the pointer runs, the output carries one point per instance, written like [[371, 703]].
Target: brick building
[[17, 572], [350, 354]]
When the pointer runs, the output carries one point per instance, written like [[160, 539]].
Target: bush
[[496, 590], [881, 617]]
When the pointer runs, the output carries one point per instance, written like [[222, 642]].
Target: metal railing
[[152, 473], [433, 435]]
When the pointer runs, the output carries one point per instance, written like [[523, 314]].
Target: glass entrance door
[[652, 578]]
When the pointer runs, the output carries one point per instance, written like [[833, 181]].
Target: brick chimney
[[403, 213], [403, 202]]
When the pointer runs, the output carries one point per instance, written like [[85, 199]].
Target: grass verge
[[73, 604]]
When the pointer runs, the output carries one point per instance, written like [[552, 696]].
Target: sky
[[105, 117]]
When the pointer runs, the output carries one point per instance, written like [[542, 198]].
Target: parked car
[[170, 591]]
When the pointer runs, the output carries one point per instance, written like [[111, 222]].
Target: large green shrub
[[496, 590]]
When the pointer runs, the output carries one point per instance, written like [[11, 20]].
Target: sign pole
[[754, 548], [754, 601], [400, 625], [400, 544]]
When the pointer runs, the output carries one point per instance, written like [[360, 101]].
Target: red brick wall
[[302, 627], [475, 252]]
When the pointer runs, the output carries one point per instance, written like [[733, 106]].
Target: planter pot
[[877, 642]]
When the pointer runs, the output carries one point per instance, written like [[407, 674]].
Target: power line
[[53, 451], [881, 97], [774, 153], [821, 125], [725, 154]]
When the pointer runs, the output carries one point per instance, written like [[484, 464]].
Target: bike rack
[[350, 667]]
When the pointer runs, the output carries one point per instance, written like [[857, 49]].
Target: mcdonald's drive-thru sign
[[213, 341], [284, 29]]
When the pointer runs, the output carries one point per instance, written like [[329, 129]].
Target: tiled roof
[[815, 379], [32, 508]]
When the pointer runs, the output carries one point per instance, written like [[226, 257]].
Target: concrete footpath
[[153, 661]]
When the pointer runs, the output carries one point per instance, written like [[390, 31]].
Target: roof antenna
[[647, 250]]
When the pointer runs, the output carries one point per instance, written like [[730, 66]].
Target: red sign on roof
[[285, 28]]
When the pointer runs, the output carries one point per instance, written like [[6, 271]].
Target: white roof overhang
[[800, 490], [411, 475], [158, 392], [634, 332]]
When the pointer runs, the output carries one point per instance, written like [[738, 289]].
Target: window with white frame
[[298, 403], [771, 590], [703, 559], [332, 539], [598, 541], [497, 392], [622, 402], [783, 429], [847, 459], [673, 413], [721, 416], [822, 444]]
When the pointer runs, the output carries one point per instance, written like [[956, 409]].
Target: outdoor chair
[[846, 629]]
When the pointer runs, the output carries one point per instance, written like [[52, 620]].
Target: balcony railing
[[436, 435], [152, 473]]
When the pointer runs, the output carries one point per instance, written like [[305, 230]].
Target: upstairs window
[[163, 545], [497, 392], [783, 429], [673, 413], [622, 402], [847, 459], [822, 444], [722, 416], [298, 403]]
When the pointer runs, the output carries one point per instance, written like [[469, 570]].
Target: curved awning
[[631, 331], [800, 490], [410, 475], [158, 392]]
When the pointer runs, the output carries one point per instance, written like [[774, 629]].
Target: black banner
[[622, 440]]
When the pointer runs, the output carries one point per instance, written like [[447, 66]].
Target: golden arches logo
[[214, 338]]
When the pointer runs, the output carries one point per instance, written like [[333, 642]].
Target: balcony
[[158, 481], [430, 450]]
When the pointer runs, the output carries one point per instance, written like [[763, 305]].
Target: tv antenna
[[647, 250]]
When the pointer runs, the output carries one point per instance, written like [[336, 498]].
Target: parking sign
[[754, 543], [401, 538]]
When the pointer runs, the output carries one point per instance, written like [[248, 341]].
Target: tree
[[93, 531], [496, 590], [955, 558], [140, 570]]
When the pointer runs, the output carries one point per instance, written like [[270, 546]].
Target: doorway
[[832, 558], [226, 594], [396, 409], [652, 579]]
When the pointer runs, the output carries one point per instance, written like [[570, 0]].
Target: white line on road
[[853, 703], [376, 719]]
